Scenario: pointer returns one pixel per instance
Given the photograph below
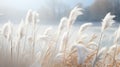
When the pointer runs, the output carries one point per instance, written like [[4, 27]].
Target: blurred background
[[51, 11]]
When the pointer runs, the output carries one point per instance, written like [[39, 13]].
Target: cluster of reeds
[[25, 47]]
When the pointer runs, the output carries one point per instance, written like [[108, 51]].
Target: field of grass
[[32, 45]]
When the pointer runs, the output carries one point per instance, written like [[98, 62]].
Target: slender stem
[[104, 59], [33, 50], [18, 50], [11, 51], [94, 62], [114, 61], [11, 48], [25, 38]]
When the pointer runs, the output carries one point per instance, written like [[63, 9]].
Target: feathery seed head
[[48, 31], [31, 17], [75, 12], [73, 15], [21, 29], [107, 21], [10, 30], [35, 17], [28, 18], [63, 23], [7, 30], [65, 38], [84, 27]]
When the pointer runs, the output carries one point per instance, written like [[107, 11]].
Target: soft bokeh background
[[51, 11]]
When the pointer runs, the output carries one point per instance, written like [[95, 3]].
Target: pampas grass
[[84, 27], [57, 48], [73, 16], [107, 21]]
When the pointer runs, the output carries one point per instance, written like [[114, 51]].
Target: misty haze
[[59, 33], [52, 11]]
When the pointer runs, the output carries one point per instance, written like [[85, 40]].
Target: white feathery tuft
[[73, 15], [29, 15], [63, 24], [65, 38], [10, 30], [21, 29], [48, 31], [7, 30], [35, 16], [107, 21], [84, 27], [64, 41], [75, 12]]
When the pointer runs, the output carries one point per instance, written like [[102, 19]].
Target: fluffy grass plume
[[26, 47]]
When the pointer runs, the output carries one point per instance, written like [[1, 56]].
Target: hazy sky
[[36, 4], [16, 9]]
